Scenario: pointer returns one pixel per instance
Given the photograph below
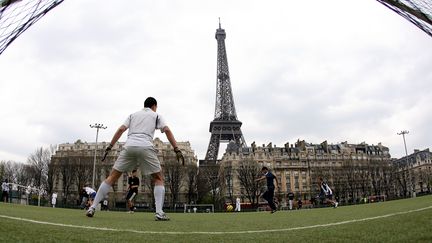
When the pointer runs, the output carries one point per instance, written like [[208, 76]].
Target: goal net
[[16, 16], [418, 12], [199, 208]]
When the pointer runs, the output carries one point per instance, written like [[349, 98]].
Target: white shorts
[[144, 158]]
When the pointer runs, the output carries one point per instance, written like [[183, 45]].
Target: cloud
[[335, 71]]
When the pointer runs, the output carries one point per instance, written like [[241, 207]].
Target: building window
[[288, 182]]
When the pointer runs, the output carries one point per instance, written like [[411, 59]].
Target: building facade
[[73, 169], [414, 173], [352, 170]]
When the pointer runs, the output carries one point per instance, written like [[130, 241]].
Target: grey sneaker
[[90, 212], [161, 217]]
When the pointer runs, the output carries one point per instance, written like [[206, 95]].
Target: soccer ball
[[229, 208]]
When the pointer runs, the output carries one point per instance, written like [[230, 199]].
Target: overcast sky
[[311, 70]]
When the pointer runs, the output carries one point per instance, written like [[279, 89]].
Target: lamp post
[[406, 152], [97, 126], [403, 135]]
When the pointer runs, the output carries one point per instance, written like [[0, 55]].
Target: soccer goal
[[199, 208]]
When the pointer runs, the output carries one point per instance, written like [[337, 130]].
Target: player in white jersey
[[138, 152], [238, 205], [91, 194], [54, 199]]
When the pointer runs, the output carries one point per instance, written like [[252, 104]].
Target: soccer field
[[408, 220]]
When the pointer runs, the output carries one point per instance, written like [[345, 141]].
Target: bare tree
[[363, 180], [402, 177], [9, 170], [148, 182], [39, 161], [2, 169], [85, 168], [248, 172], [350, 175], [174, 175], [192, 177], [209, 176], [68, 173], [389, 175], [52, 171], [24, 174], [226, 173], [376, 177]]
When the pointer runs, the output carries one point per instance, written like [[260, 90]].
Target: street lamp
[[406, 151], [97, 126], [403, 135]]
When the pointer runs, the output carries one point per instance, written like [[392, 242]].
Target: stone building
[[352, 170], [73, 169], [414, 173]]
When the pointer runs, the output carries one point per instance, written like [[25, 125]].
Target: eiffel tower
[[225, 127]]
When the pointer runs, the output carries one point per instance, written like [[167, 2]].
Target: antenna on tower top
[[219, 23]]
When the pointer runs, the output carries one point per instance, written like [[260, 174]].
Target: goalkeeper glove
[[179, 155], [107, 151], [108, 148]]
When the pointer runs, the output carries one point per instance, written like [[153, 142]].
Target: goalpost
[[27, 190], [198, 208]]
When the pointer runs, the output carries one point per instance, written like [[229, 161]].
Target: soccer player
[[105, 204], [326, 193], [238, 205], [133, 182], [91, 194], [269, 194], [139, 152], [54, 199], [290, 200], [5, 191]]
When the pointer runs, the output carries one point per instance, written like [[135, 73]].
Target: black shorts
[[131, 194], [329, 197]]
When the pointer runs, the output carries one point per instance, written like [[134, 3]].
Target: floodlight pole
[[97, 126], [403, 135], [406, 151]]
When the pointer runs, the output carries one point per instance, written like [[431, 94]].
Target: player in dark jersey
[[269, 194], [133, 182], [326, 194]]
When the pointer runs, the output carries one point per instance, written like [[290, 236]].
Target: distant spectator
[[290, 200], [5, 191], [238, 206], [299, 204], [313, 201], [54, 199], [105, 204]]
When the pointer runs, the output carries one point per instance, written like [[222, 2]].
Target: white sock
[[101, 193], [159, 194]]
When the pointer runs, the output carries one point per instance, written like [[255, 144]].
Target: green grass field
[[408, 220]]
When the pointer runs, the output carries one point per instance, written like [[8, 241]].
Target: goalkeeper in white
[[138, 152]]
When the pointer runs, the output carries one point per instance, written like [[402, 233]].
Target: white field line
[[214, 232]]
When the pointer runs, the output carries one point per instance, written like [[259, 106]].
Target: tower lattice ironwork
[[418, 12], [225, 127]]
